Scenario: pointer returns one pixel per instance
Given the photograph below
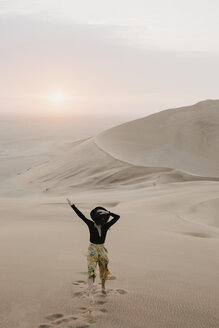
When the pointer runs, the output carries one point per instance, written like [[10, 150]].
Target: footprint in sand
[[54, 316], [83, 292], [73, 321], [120, 291], [85, 316]]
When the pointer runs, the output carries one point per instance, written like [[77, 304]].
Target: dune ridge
[[85, 166], [185, 138]]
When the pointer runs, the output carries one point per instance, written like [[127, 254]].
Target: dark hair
[[99, 218]]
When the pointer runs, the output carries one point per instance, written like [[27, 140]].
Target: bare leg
[[90, 287], [90, 283], [103, 287]]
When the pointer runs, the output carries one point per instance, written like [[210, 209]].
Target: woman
[[97, 252]]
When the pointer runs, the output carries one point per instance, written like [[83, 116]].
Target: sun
[[58, 98]]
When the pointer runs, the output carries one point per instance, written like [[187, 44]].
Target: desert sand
[[160, 173]]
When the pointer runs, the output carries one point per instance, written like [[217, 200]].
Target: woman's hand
[[103, 212], [69, 202]]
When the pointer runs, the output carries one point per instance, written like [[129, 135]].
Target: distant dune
[[174, 145], [185, 138]]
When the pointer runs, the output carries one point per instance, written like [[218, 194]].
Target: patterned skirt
[[97, 254]]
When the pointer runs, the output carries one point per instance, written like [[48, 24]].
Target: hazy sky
[[107, 56]]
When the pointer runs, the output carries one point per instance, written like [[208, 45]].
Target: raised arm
[[80, 214], [115, 218]]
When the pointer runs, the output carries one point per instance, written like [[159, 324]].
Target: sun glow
[[58, 98]]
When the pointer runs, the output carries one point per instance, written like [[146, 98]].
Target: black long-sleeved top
[[94, 236]]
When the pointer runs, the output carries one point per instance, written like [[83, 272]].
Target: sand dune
[[184, 138], [84, 166], [91, 163]]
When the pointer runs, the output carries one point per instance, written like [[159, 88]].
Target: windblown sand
[[163, 251]]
